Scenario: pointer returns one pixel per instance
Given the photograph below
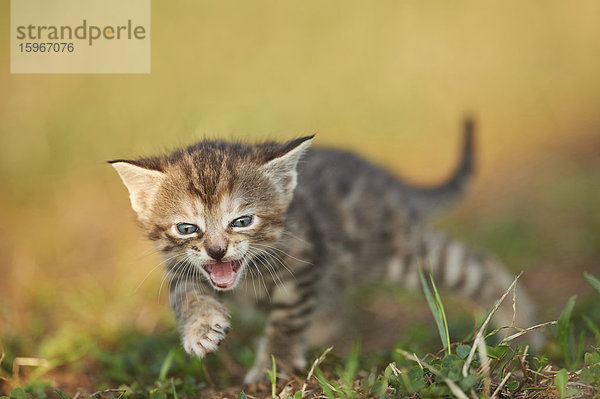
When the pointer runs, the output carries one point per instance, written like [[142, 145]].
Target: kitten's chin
[[223, 275]]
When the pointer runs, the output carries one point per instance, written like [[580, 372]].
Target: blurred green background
[[390, 80]]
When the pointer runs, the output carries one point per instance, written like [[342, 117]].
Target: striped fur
[[319, 227]]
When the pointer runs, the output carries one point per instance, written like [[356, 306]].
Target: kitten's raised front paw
[[205, 333]]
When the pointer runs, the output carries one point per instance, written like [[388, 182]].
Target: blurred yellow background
[[391, 80]]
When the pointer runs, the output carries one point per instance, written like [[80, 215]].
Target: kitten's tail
[[432, 199]]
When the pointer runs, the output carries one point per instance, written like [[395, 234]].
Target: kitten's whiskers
[[259, 256], [249, 267], [151, 271], [283, 252], [278, 258], [260, 275]]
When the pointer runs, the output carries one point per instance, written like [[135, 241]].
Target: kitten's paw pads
[[205, 334]]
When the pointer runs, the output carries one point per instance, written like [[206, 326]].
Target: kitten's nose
[[217, 253]]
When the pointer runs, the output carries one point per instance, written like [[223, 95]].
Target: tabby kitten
[[303, 224]]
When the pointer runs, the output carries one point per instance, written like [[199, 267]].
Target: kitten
[[305, 224]]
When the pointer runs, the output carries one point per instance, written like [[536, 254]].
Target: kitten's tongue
[[222, 275]]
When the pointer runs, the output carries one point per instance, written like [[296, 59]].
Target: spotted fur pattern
[[322, 221]]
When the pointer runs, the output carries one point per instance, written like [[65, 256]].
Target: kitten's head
[[213, 205]]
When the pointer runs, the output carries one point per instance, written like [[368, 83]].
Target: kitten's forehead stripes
[[212, 169]]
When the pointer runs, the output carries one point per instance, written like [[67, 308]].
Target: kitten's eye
[[243, 221], [186, 228]]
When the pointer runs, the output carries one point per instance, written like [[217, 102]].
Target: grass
[[437, 309], [155, 366]]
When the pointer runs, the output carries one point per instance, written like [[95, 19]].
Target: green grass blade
[[437, 309], [166, 365], [349, 373], [175, 396], [593, 281], [593, 328], [273, 377], [560, 381], [564, 335], [440, 307], [325, 385], [61, 394]]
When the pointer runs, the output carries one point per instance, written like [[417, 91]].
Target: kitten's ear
[[141, 183], [282, 169]]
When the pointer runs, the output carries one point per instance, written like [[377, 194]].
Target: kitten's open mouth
[[223, 274]]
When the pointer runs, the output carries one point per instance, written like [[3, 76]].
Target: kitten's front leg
[[203, 320], [290, 317]]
